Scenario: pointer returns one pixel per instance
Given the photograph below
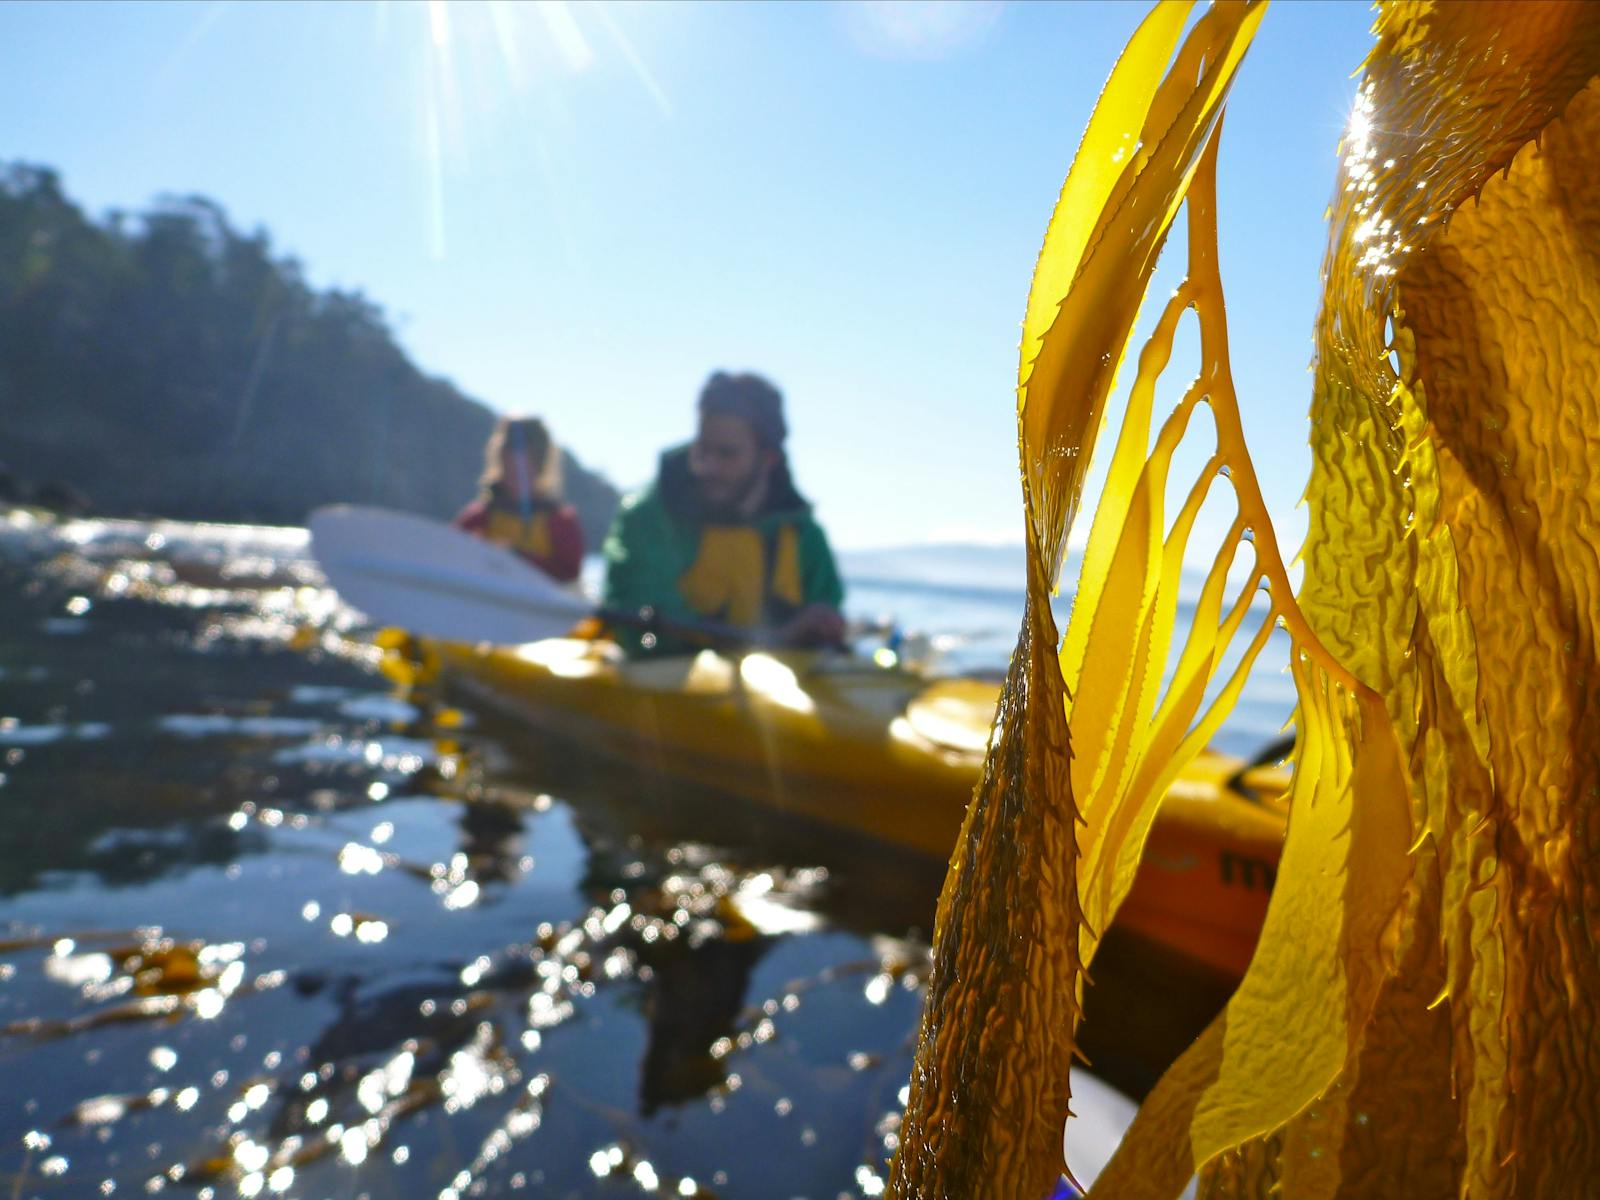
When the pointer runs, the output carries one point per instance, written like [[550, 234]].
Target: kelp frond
[[1420, 1010]]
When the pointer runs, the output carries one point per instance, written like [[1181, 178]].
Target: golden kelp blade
[[1436, 516], [1443, 1003], [1319, 961], [1464, 490], [989, 1088], [1097, 261]]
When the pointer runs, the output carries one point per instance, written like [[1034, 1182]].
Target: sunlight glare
[[439, 25], [635, 62], [480, 68], [565, 33], [505, 37]]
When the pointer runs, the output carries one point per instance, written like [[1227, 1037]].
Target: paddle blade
[[431, 579]]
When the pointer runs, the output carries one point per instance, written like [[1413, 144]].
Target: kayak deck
[[886, 754]]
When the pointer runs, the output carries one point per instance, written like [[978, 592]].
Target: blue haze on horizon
[[580, 209]]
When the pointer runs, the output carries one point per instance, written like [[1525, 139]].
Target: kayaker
[[722, 535], [519, 499]]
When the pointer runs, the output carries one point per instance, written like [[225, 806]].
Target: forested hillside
[[165, 363]]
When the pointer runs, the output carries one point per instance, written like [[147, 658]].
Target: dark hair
[[535, 441], [750, 396]]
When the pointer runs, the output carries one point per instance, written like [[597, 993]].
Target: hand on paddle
[[815, 625]]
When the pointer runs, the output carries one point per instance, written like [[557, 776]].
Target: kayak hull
[[883, 754]]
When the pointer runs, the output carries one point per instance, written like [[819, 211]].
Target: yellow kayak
[[883, 753]]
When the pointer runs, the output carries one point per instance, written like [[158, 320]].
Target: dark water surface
[[269, 929]]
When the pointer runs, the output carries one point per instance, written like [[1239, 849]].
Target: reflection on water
[[267, 929]]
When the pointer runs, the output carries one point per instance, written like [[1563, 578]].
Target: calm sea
[[269, 929]]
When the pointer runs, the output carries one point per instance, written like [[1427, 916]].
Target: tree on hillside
[[164, 362]]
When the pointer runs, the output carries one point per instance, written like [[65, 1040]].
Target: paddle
[[431, 579]]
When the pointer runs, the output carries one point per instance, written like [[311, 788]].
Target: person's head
[[522, 460], [739, 440]]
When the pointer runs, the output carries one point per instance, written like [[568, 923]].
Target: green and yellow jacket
[[666, 552]]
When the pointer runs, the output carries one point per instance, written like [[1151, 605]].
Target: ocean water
[[270, 928], [967, 601]]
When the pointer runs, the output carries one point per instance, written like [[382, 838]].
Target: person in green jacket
[[722, 535]]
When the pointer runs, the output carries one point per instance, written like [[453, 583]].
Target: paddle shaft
[[718, 634], [709, 633], [438, 581]]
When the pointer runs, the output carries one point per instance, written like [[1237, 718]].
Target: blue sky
[[581, 209]]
